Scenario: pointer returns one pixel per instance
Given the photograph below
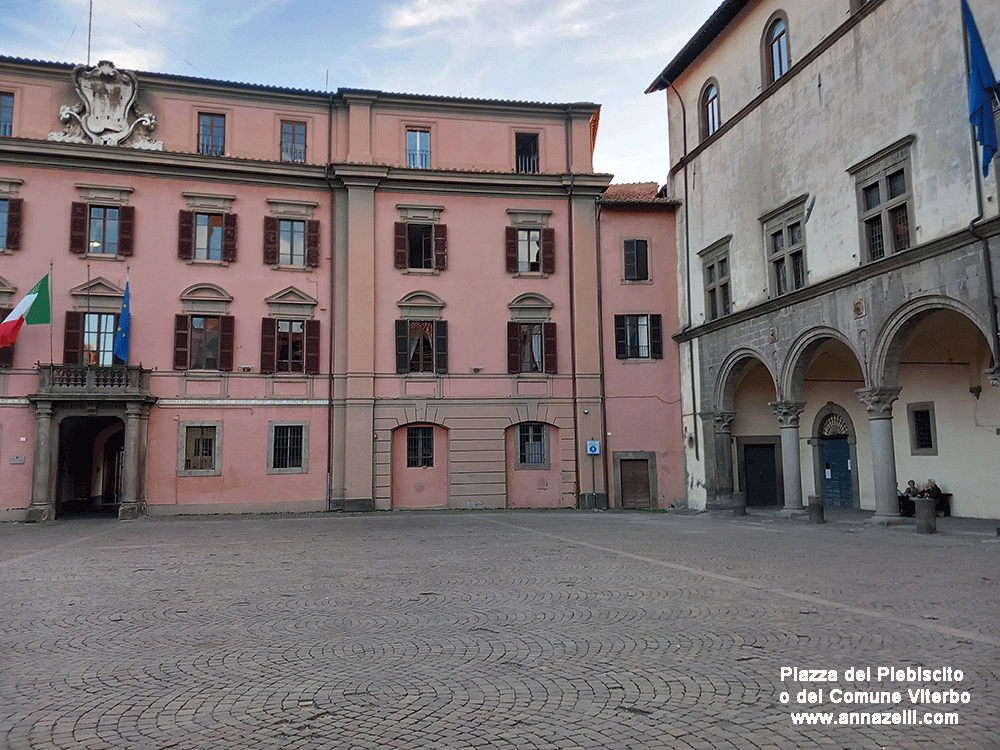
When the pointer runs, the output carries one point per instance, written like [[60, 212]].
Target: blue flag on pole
[[120, 347], [982, 89]]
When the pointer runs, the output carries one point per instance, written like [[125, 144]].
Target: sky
[[601, 51]]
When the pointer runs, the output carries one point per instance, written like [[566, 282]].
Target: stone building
[[837, 255]]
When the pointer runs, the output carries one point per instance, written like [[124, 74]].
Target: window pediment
[[284, 208], [6, 292], [108, 194], [9, 187], [291, 303], [417, 214], [421, 305], [97, 295], [529, 217], [206, 299], [220, 204], [530, 307]]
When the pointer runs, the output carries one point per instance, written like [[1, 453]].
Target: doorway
[[91, 466], [760, 474]]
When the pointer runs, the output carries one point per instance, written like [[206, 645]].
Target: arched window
[[776, 50], [710, 110]]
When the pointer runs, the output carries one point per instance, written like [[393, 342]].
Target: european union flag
[[982, 89], [120, 347]]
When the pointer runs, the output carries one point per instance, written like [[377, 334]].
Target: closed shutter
[[513, 346], [510, 248], [181, 335], [312, 243], [549, 346], [270, 240], [73, 338], [656, 336], [185, 235], [621, 348], [230, 224], [78, 228], [440, 246], [630, 259], [400, 243], [126, 231], [548, 250], [641, 260], [402, 346], [15, 207], [312, 347], [6, 352], [268, 344], [227, 339], [441, 346]]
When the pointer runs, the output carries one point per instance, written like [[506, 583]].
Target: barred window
[[531, 443], [287, 446], [420, 447]]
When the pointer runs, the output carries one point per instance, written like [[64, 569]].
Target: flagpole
[[52, 356]]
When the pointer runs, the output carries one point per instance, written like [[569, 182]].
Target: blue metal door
[[837, 484]]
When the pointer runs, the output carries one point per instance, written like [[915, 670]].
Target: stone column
[[879, 404], [791, 469], [42, 507], [132, 503], [723, 422]]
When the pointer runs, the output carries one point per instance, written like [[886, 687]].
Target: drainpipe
[[572, 298], [333, 250], [687, 271], [600, 349]]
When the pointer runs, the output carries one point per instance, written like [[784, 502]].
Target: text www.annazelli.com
[[909, 717]]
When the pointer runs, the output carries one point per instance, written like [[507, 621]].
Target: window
[[421, 246], [207, 229], [530, 250], [199, 448], [776, 55], [102, 230], [885, 202], [291, 242], [638, 337], [208, 237], [923, 429], [211, 134], [716, 276], [710, 110], [203, 342], [88, 339], [421, 346], [288, 448], [10, 224], [293, 141], [420, 447], [636, 260], [6, 352], [288, 345], [784, 239], [418, 149], [6, 114], [526, 152], [531, 347], [532, 445]]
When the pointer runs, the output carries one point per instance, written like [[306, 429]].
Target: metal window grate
[[419, 447], [287, 447]]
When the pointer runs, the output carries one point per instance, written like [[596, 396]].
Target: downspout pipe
[[333, 251], [572, 297], [600, 353]]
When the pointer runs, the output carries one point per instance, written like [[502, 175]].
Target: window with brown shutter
[[549, 346], [181, 324], [227, 339], [126, 231], [268, 344], [638, 337], [312, 347], [185, 235], [531, 347], [14, 213], [400, 244], [6, 352], [510, 248], [548, 250], [78, 228], [312, 243], [229, 236], [270, 240], [73, 338], [440, 246], [421, 346]]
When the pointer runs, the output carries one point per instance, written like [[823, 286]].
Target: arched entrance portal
[[91, 462], [835, 462]]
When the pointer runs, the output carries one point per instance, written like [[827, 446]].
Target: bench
[[906, 507]]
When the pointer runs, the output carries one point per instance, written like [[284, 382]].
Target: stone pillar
[[723, 422], [878, 401], [133, 501], [42, 507], [788, 413]]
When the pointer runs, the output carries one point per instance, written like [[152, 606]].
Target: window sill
[[102, 256], [200, 473], [530, 275], [205, 262], [299, 269], [532, 467], [420, 271], [631, 282], [292, 470], [637, 360]]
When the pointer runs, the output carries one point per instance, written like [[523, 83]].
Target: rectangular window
[[420, 245], [199, 448], [639, 336], [531, 347], [211, 134], [293, 141], [885, 202], [420, 447], [6, 114], [418, 149], [103, 235], [716, 274], [786, 247], [529, 250], [636, 336], [286, 446], [290, 346], [98, 339], [204, 343], [532, 444], [421, 345], [923, 430], [208, 237], [526, 152], [4, 212], [636, 260], [291, 242]]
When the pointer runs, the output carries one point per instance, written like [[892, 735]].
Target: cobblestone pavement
[[487, 630]]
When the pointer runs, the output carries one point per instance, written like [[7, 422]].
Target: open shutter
[[402, 346], [126, 230], [549, 346], [440, 346], [227, 339], [78, 228], [229, 235], [312, 243], [312, 347], [399, 239], [15, 206], [181, 326], [185, 235], [513, 346], [510, 248], [73, 338], [621, 351], [641, 260], [268, 344], [6, 352], [630, 258], [655, 337], [270, 240], [548, 250], [440, 246]]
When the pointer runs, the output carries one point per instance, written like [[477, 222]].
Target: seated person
[[934, 493], [911, 490]]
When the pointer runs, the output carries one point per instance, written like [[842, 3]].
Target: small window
[[636, 260], [288, 448], [6, 114], [418, 149], [638, 337], [421, 246], [199, 449], [784, 236], [102, 230], [526, 152], [885, 203], [289, 345], [710, 110], [531, 347], [291, 242], [420, 447], [532, 445], [293, 141], [211, 134], [778, 59], [923, 430], [718, 302]]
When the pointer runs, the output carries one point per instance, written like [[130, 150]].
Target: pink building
[[348, 300]]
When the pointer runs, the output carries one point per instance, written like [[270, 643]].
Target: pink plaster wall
[[533, 488], [420, 487]]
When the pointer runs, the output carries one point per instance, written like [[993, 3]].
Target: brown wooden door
[[635, 483]]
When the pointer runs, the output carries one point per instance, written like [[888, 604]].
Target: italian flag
[[34, 308]]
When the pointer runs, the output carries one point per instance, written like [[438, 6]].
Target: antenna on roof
[[327, 79], [90, 30]]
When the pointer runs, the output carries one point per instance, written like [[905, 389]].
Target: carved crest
[[107, 103]]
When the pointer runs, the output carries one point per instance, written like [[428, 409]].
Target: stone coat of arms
[[107, 103]]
